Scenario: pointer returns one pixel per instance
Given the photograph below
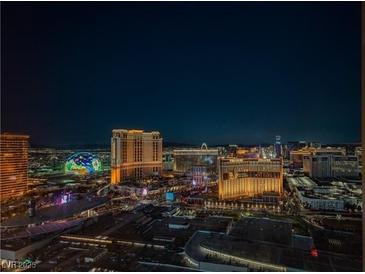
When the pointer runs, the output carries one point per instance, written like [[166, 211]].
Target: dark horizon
[[169, 145], [197, 72]]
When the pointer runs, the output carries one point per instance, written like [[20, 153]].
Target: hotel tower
[[135, 155], [13, 165], [247, 177]]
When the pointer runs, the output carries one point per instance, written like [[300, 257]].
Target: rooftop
[[266, 255], [56, 212]]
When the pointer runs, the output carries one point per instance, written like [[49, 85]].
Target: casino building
[[13, 165], [135, 155], [248, 177]]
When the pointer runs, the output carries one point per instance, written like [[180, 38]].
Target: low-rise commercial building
[[336, 196], [206, 248], [320, 202]]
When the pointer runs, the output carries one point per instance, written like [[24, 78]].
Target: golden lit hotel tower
[[247, 177], [135, 155], [13, 165]]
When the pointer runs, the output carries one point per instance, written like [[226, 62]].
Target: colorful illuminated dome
[[82, 163]]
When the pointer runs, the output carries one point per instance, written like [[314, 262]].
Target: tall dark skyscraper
[[278, 146]]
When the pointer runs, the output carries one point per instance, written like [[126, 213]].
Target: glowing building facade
[[135, 155], [242, 177], [13, 165]]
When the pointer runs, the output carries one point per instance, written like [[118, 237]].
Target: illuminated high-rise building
[[278, 146], [13, 165], [135, 155], [247, 177]]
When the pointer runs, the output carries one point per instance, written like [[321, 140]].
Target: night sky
[[197, 72]]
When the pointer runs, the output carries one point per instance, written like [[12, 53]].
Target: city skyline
[[231, 73], [181, 137]]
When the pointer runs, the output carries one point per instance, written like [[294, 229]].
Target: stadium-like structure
[[82, 163]]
